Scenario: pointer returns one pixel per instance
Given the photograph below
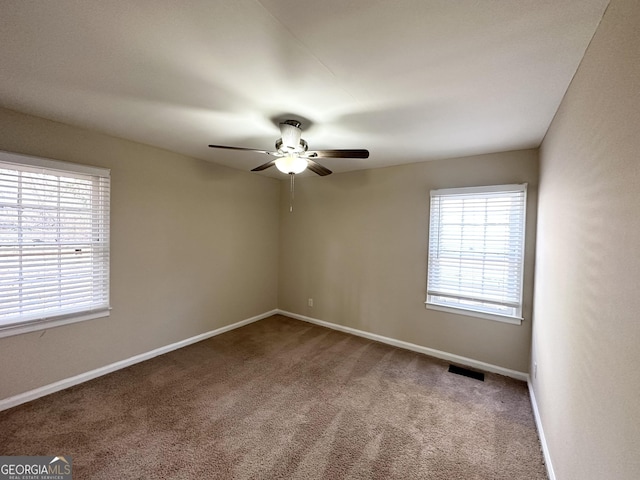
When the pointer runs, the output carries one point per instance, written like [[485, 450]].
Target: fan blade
[[264, 166], [317, 168], [337, 154], [243, 148]]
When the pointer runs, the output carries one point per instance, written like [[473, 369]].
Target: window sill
[[44, 324], [471, 313]]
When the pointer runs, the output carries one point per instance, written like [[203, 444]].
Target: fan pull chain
[[291, 192]]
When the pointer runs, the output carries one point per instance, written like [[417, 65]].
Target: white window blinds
[[54, 239], [476, 249]]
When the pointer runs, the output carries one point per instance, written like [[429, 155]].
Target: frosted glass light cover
[[291, 164]]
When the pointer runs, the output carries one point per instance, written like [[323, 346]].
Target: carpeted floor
[[282, 399]]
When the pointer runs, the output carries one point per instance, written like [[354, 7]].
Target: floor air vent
[[466, 372]]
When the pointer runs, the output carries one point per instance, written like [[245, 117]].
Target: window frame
[[433, 304], [20, 326]]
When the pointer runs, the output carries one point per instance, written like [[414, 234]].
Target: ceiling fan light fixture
[[293, 155], [291, 164]]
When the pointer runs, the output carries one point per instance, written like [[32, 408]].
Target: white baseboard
[[543, 441], [450, 357], [98, 372]]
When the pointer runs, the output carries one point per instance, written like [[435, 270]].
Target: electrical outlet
[[310, 302]]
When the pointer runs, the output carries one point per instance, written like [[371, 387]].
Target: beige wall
[[587, 303], [193, 248], [357, 244]]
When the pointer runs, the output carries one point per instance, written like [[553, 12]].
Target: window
[[476, 251], [54, 243]]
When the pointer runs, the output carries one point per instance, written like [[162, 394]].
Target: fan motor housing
[[301, 148]]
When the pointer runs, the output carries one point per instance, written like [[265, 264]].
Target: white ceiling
[[410, 80]]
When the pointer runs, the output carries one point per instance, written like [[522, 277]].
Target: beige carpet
[[282, 399]]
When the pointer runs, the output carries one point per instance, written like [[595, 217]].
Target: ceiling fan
[[293, 155]]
